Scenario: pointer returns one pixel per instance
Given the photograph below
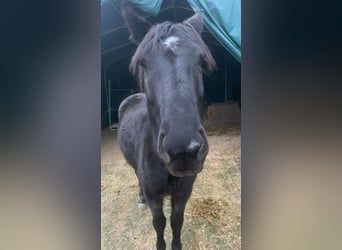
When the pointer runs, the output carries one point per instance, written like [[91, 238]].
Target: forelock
[[162, 36]]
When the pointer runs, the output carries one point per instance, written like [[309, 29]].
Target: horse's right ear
[[137, 25], [196, 21]]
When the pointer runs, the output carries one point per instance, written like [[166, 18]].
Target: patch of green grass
[[233, 170]]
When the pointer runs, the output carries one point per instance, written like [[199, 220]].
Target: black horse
[[160, 131]]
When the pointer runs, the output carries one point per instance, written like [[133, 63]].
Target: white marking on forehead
[[171, 42]]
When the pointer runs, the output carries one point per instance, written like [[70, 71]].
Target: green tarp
[[222, 18]]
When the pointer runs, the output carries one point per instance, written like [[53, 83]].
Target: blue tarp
[[149, 6], [222, 18]]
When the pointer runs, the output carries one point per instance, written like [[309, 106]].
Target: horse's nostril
[[194, 147]]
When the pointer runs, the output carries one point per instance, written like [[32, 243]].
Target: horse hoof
[[142, 206]]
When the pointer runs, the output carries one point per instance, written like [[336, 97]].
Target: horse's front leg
[[142, 200], [159, 220], [177, 216]]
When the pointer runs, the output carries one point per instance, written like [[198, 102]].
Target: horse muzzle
[[183, 157]]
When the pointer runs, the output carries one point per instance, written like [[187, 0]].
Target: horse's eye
[[201, 60], [142, 62]]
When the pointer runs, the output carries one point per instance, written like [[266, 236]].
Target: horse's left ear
[[137, 25], [196, 21]]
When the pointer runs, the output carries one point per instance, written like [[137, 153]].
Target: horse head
[[168, 63]]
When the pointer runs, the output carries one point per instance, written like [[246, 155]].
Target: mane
[[153, 41]]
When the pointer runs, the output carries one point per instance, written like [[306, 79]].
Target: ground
[[212, 215]]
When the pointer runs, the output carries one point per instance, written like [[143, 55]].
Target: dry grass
[[212, 215]]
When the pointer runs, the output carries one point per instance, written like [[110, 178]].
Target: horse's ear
[[196, 21], [137, 25]]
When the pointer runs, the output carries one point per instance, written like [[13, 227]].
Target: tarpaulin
[[151, 7], [222, 18]]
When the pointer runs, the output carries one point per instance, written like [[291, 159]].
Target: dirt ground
[[212, 215]]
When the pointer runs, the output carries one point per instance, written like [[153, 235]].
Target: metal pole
[[225, 78], [109, 104]]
